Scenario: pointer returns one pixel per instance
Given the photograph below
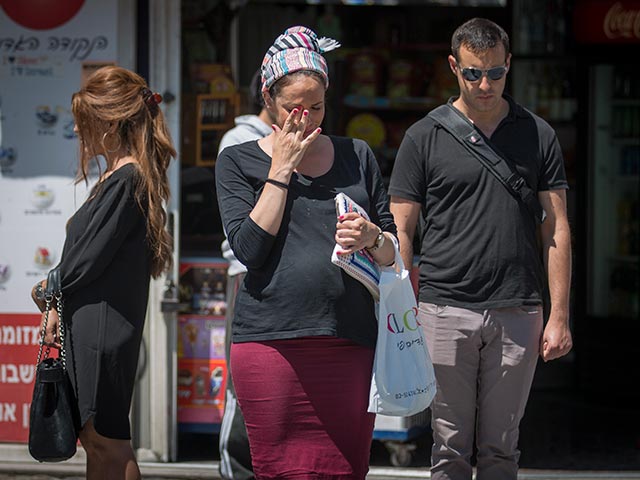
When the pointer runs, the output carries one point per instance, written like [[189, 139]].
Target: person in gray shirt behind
[[235, 457]]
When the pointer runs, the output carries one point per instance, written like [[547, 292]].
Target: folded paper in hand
[[360, 265]]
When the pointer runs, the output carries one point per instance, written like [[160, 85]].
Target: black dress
[[105, 272]]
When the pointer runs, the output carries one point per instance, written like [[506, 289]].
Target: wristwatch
[[39, 291], [379, 241]]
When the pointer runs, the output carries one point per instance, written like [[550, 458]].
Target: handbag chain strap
[[61, 329]]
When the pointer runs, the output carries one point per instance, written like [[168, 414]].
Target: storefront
[[608, 38], [391, 69], [46, 49]]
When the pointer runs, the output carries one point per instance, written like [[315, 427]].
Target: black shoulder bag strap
[[500, 167]]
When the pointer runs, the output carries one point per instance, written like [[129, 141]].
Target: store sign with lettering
[[408, 320], [77, 48], [19, 337], [46, 48], [607, 22], [42, 14]]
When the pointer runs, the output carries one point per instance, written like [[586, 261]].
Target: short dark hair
[[478, 35]]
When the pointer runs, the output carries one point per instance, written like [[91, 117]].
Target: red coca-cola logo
[[41, 14], [607, 22], [621, 22]]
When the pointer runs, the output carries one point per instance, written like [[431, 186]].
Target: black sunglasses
[[472, 74]]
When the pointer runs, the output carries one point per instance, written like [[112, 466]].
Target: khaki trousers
[[484, 362]]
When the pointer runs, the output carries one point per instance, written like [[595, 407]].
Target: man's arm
[[556, 243], [405, 214]]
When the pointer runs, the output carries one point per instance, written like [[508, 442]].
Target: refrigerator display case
[[613, 192], [202, 368]]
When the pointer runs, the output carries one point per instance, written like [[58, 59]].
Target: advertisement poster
[[46, 47], [201, 371], [201, 360], [19, 347]]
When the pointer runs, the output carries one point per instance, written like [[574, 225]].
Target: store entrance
[[390, 71]]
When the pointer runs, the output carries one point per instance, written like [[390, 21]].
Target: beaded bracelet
[[277, 183]]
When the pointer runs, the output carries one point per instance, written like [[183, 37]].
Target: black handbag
[[53, 428]]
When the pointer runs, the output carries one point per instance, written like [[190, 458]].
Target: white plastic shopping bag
[[403, 382]]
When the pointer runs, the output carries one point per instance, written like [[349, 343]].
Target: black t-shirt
[[292, 289], [104, 273], [479, 245]]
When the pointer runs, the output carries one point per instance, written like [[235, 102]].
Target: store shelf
[[206, 117], [625, 140], [625, 102], [387, 103], [625, 258], [627, 178], [387, 88]]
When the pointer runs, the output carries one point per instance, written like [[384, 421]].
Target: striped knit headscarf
[[298, 48]]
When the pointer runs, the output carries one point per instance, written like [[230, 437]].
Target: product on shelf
[[365, 74], [443, 82], [367, 127], [212, 78], [401, 78]]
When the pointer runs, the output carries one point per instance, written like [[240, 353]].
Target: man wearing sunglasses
[[482, 278]]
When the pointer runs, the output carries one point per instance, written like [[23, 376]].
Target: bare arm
[[51, 337], [556, 242], [405, 214]]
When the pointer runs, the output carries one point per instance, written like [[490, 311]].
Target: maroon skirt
[[305, 406]]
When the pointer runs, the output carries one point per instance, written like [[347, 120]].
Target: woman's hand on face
[[354, 232], [290, 144], [51, 338]]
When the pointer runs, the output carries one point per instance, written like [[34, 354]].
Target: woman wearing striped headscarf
[[304, 331]]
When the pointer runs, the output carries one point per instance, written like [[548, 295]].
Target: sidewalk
[[18, 465], [209, 470]]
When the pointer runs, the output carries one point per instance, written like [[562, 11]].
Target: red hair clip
[[149, 96], [151, 100]]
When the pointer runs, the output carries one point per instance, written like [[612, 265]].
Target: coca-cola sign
[[607, 21]]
